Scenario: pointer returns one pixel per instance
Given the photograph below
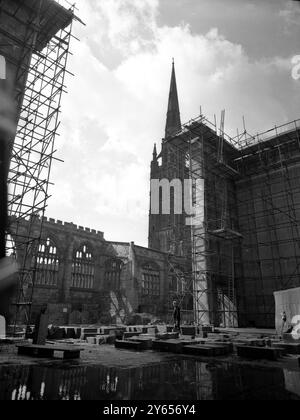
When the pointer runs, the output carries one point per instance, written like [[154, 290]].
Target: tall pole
[[7, 132]]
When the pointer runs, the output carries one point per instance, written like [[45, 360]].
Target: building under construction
[[243, 242], [222, 263]]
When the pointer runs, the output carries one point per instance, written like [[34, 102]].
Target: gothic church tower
[[167, 232]]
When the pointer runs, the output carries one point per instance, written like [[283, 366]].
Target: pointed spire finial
[[173, 124], [154, 152]]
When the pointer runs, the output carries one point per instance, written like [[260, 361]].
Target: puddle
[[175, 380]]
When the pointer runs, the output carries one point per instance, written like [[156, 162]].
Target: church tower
[[167, 232]]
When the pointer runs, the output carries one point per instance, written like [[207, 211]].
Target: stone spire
[[173, 116], [155, 152]]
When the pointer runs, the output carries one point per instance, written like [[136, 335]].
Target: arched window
[[47, 264], [83, 268], [112, 276], [151, 280], [177, 281]]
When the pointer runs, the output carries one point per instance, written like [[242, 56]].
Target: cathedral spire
[[173, 116], [155, 152]]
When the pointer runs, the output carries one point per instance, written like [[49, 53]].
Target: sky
[[229, 54]]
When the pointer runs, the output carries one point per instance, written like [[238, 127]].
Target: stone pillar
[[67, 273]]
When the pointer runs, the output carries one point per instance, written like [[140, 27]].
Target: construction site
[[231, 266]]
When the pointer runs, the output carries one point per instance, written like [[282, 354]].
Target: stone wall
[[102, 303]]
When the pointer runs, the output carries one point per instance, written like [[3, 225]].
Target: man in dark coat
[[176, 315]]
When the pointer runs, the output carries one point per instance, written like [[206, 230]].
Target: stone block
[[129, 345], [221, 337], [168, 336], [289, 348], [188, 330], [127, 335], [147, 342], [251, 352], [228, 345], [172, 346], [206, 350], [70, 333], [289, 338]]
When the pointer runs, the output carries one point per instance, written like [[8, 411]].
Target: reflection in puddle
[[176, 380]]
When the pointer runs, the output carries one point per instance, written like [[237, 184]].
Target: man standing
[[284, 320], [176, 315]]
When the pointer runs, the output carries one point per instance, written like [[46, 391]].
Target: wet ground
[[105, 373]]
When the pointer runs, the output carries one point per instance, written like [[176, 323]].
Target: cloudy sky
[[230, 54]]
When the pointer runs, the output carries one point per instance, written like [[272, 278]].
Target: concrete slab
[[221, 337], [168, 336], [130, 345], [172, 346], [250, 352], [147, 342], [206, 350], [188, 330], [255, 342], [289, 338], [127, 335], [289, 348]]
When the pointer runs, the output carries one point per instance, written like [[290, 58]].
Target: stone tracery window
[[151, 280], [47, 264], [177, 281], [83, 268], [112, 276]]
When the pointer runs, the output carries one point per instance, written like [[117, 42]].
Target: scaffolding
[[230, 205], [43, 45]]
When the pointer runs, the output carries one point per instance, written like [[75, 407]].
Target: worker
[[8, 266], [176, 315], [284, 320]]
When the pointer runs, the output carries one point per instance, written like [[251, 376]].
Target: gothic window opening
[[150, 281], [112, 274], [83, 268], [177, 281], [47, 264]]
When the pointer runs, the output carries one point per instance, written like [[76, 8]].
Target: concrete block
[[289, 338], [70, 333], [289, 348], [105, 339], [168, 336], [129, 345], [147, 342], [206, 350], [221, 337], [255, 342], [127, 335], [204, 328], [188, 330], [57, 334], [151, 330], [172, 346], [228, 345], [251, 352]]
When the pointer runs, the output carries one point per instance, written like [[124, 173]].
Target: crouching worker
[[8, 266]]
